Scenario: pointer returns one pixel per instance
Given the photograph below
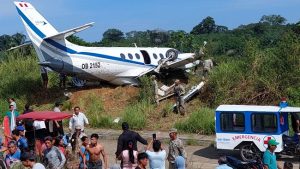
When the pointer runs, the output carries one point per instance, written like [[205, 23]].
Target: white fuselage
[[117, 65]]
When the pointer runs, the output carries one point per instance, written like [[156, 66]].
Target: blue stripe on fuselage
[[31, 25], [69, 50]]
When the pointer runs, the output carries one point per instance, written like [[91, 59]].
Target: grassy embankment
[[260, 75]]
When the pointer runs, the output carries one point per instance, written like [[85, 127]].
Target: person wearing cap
[[28, 160], [178, 92], [21, 130], [269, 157], [126, 136], [21, 141], [176, 149], [13, 155]]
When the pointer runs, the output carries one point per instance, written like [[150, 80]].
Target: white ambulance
[[250, 127]]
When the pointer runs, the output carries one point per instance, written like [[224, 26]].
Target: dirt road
[[201, 152], [199, 157]]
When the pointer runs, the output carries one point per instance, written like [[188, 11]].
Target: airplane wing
[[182, 60], [136, 72], [64, 34], [185, 59]]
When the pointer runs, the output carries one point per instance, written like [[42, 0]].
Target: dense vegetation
[[257, 63]]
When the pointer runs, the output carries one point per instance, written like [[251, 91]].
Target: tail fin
[[36, 25]]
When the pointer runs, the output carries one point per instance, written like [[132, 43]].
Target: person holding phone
[[157, 157]]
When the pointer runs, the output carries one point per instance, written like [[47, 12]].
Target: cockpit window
[[155, 56]]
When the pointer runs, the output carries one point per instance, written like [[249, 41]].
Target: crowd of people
[[44, 144]]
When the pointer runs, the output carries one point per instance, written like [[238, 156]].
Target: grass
[[200, 121], [94, 110], [192, 142], [20, 77], [136, 114]]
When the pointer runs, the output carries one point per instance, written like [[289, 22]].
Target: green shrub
[[20, 79], [201, 121], [94, 110], [167, 109], [136, 114], [146, 90]]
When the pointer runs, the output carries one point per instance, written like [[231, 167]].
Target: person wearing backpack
[[53, 157]]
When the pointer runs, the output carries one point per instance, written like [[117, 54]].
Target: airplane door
[[147, 59]]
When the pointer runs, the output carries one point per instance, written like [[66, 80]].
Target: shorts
[[95, 165]]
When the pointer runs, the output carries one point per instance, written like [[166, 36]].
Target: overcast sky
[[128, 15]]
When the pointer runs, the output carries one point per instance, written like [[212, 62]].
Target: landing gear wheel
[[249, 152], [78, 82]]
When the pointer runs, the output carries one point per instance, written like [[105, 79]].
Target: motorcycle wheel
[[249, 152]]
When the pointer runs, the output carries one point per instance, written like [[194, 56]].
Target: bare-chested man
[[95, 149]]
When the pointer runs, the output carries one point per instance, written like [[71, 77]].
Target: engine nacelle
[[172, 54]]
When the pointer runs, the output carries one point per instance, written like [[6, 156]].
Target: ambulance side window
[[262, 122], [232, 122]]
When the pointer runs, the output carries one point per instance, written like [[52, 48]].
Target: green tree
[[207, 25], [158, 37], [220, 28], [76, 40], [113, 35], [7, 41], [273, 19]]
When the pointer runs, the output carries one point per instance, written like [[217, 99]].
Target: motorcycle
[[238, 164], [291, 145]]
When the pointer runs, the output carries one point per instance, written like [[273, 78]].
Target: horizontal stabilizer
[[22, 45], [64, 34]]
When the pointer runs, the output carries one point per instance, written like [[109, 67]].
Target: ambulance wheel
[[249, 152]]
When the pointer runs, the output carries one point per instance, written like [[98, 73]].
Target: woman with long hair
[[129, 157]]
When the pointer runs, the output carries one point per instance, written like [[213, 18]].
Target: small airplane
[[115, 65]]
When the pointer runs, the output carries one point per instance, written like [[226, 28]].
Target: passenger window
[[266, 123], [137, 56], [161, 56], [232, 122], [122, 56], [130, 56], [155, 56]]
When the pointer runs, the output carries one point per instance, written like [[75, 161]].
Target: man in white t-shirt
[[78, 119], [157, 157]]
